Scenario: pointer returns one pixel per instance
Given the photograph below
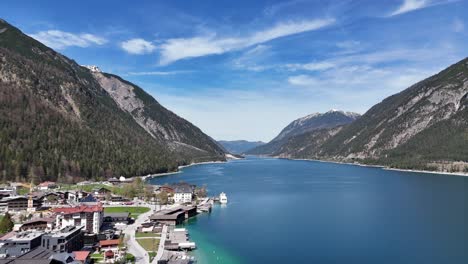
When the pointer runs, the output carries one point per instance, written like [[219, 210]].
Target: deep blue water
[[283, 211]]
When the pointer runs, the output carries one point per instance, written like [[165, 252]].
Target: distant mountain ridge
[[239, 146], [422, 127], [61, 121], [309, 123]]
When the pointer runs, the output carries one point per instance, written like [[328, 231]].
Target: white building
[[90, 217], [183, 193]]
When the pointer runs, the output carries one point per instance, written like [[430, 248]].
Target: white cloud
[[181, 48], [137, 46], [412, 5], [313, 66], [303, 80], [251, 58], [458, 25], [60, 39]]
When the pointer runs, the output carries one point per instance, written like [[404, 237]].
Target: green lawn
[[152, 255], [134, 211], [97, 256], [150, 244], [141, 234]]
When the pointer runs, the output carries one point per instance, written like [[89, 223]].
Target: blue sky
[[245, 69]]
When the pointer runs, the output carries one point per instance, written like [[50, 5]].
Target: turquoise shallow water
[[283, 211]]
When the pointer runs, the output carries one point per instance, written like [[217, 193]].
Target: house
[[53, 198], [183, 193], [20, 243], [82, 256], [75, 196], [102, 192], [38, 224], [113, 181], [67, 239], [47, 185], [109, 245], [89, 216], [19, 203], [7, 191]]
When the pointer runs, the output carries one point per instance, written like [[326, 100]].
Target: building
[[18, 203], [40, 256], [109, 245], [88, 216], [75, 196], [114, 181], [20, 243], [117, 218], [174, 216], [52, 198], [183, 193], [38, 224], [82, 256], [102, 192], [7, 191], [47, 185], [67, 239]]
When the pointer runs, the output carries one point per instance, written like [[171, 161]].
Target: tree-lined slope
[[58, 122]]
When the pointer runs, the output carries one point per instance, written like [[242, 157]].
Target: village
[[115, 221]]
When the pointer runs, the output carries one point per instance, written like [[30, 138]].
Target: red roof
[[105, 243], [8, 235], [47, 183], [81, 255], [79, 209]]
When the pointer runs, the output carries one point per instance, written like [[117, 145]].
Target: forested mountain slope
[[57, 122]]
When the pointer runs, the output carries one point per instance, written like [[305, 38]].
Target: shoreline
[[179, 169], [462, 174]]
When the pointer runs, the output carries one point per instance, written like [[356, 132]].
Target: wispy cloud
[[386, 71], [157, 73], [137, 46], [60, 39], [412, 5], [181, 48], [312, 66], [251, 58]]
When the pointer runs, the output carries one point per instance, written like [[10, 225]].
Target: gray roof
[[117, 215]]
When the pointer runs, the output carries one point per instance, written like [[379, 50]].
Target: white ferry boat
[[223, 198]]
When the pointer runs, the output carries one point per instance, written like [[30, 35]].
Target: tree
[[6, 225], [162, 197]]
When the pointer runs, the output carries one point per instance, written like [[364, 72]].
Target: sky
[[245, 69]]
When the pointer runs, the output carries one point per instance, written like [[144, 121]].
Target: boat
[[223, 198]]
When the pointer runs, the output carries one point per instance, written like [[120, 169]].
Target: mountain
[[422, 127], [61, 121], [239, 146], [303, 125]]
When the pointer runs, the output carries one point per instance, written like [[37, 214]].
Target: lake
[[285, 211]]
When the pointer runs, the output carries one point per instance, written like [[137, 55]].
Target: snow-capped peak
[[92, 68]]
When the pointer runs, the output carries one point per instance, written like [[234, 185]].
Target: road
[[141, 256], [161, 245]]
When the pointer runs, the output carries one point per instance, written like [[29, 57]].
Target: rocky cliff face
[[399, 118], [62, 121], [159, 122]]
